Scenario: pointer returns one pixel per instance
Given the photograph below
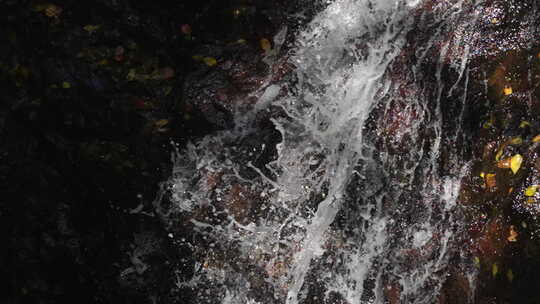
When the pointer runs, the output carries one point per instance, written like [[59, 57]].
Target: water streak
[[355, 207]]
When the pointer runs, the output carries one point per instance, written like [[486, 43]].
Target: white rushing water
[[355, 208]]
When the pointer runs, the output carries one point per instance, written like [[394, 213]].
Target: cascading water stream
[[355, 207]]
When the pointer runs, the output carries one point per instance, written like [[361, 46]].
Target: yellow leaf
[[91, 28], [265, 44], [241, 41], [197, 57], [494, 269], [132, 75], [524, 124], [167, 90], [531, 190], [499, 154], [488, 124], [476, 261], [516, 141], [482, 174], [510, 275], [66, 85], [531, 200], [536, 138], [210, 61], [515, 163], [507, 90], [161, 123]]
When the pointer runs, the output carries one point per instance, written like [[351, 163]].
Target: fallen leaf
[[66, 85], [161, 123], [491, 181], [132, 75], [536, 138], [119, 53], [186, 29], [91, 28], [512, 234], [531, 190], [505, 163], [507, 90], [21, 71], [499, 154], [524, 124], [515, 163], [197, 57], [476, 261], [494, 269], [164, 73], [139, 104], [53, 11], [265, 44], [482, 174], [510, 275], [210, 61], [516, 140], [167, 90]]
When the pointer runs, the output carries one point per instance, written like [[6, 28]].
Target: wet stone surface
[[96, 92]]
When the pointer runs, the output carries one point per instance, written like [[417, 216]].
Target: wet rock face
[[499, 124], [97, 91], [507, 25], [223, 91], [499, 200]]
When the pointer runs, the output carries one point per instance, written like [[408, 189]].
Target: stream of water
[[356, 203]]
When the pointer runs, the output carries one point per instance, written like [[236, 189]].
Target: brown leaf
[[119, 53], [165, 73], [491, 181], [161, 123], [505, 163], [186, 29], [512, 234], [53, 11]]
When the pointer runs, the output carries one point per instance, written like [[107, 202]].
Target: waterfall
[[357, 201]]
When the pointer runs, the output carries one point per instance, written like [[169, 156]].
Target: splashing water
[[358, 204]]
